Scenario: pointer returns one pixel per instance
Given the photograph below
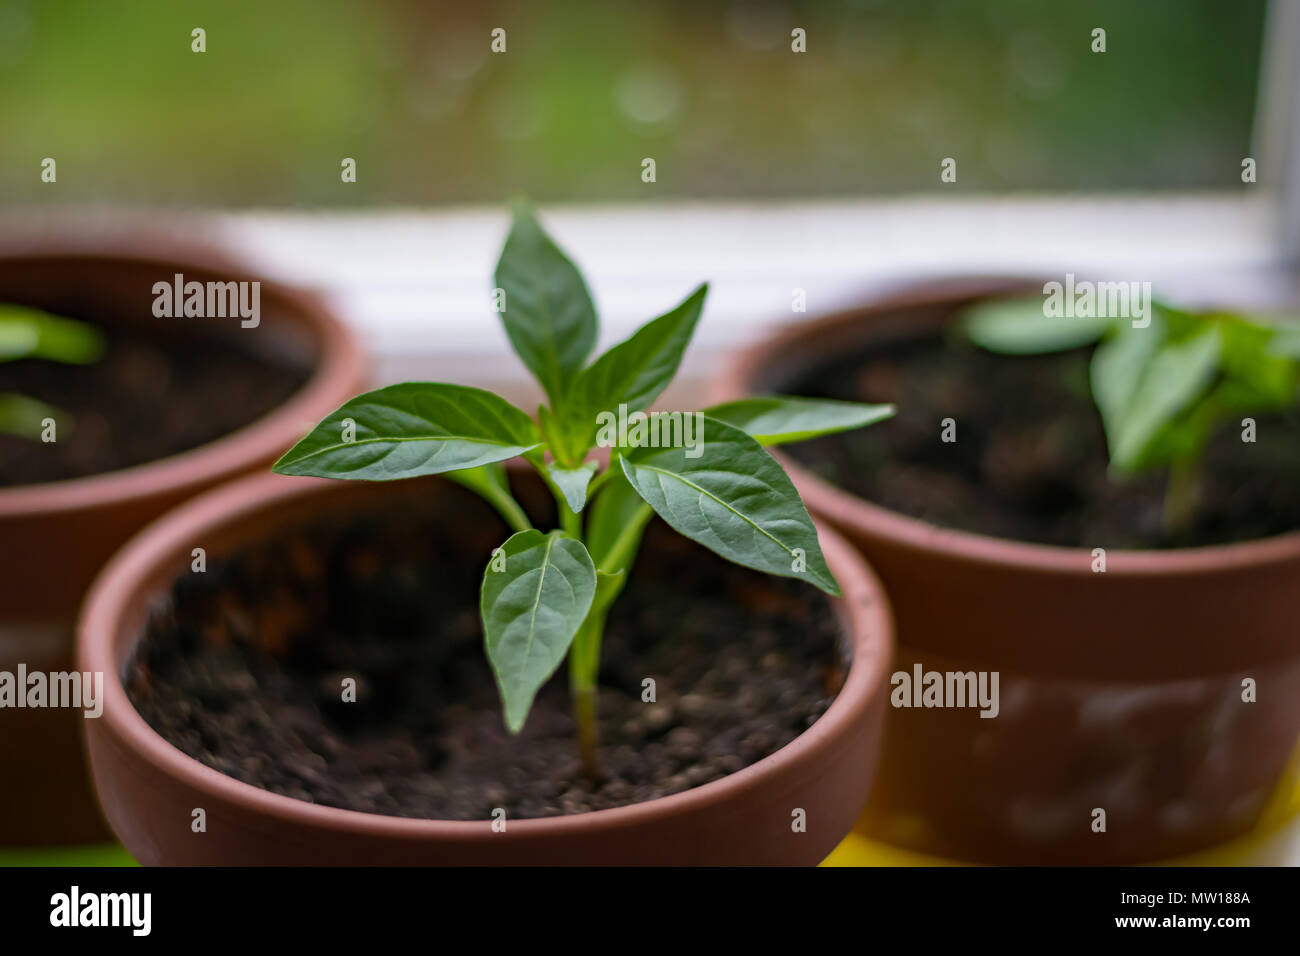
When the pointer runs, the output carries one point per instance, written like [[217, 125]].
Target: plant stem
[[599, 481], [1182, 496], [584, 665], [584, 715], [584, 712], [507, 507], [625, 545], [584, 669], [584, 653], [569, 521]]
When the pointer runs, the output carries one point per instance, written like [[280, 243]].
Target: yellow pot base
[[1275, 842]]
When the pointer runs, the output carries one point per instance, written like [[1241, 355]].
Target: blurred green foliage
[[711, 90], [107, 854]]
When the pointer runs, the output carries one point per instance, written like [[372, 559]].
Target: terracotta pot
[[148, 787], [58, 535], [1120, 691]]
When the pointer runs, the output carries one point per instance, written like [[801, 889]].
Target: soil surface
[[244, 670], [148, 397], [1029, 462]]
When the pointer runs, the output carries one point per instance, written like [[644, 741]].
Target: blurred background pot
[[148, 787], [1120, 691], [58, 534]]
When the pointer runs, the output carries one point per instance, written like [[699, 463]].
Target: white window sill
[[417, 284]]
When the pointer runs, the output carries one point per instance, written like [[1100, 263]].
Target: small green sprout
[[27, 333], [1163, 389], [545, 595]]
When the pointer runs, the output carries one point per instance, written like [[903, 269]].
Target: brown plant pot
[[1112, 684], [58, 535], [148, 788]]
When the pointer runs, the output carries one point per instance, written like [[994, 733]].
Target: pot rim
[[863, 611], [804, 344], [337, 359]]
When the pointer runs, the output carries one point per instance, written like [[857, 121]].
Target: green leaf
[[615, 524], [22, 416], [1143, 384], [1181, 439], [1116, 372], [573, 483], [17, 338], [537, 590], [548, 314], [632, 373], [1286, 342], [735, 500], [777, 420], [1256, 377], [32, 333], [1020, 327], [416, 428]]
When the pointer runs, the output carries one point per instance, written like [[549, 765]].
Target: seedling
[[1162, 390], [546, 595], [30, 333]]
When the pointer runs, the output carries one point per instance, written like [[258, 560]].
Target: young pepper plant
[[1163, 389], [545, 594], [27, 333]]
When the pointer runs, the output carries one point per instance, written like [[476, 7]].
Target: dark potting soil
[[148, 397], [1030, 461], [244, 671]]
